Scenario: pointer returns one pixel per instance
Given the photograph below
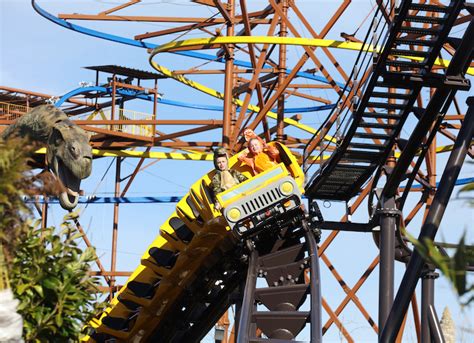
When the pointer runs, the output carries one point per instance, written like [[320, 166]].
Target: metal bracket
[[430, 274], [390, 212]]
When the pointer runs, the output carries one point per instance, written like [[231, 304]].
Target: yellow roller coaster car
[[262, 201], [193, 241]]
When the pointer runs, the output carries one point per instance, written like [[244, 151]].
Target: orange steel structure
[[268, 82]]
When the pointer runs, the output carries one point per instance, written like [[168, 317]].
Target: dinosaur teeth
[[71, 192]]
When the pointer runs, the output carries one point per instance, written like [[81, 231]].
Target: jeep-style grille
[[261, 201]]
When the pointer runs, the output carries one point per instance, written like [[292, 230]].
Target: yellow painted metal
[[209, 43], [234, 214], [150, 154], [219, 95], [211, 238], [124, 114], [193, 156], [286, 188]]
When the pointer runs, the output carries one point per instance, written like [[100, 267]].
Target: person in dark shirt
[[224, 178]]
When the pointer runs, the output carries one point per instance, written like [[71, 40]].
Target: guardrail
[[124, 115], [12, 111]]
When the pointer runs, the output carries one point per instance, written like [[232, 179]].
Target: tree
[[453, 267], [47, 271], [50, 278], [14, 182]]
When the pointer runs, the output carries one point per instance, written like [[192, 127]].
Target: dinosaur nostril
[[73, 150]]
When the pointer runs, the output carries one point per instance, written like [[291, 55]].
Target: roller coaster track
[[388, 99], [284, 273], [146, 45], [192, 272], [197, 43], [195, 268]]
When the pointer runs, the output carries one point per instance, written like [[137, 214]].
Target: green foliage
[[453, 267], [48, 272], [50, 278], [468, 187], [13, 182]]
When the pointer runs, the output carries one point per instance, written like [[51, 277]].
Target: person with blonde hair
[[260, 156]]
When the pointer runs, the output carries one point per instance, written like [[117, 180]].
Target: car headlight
[[233, 214], [286, 188]]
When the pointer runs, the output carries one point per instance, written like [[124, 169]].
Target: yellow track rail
[[188, 156], [211, 43], [194, 237], [216, 94]]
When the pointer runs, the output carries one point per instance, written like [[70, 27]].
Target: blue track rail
[[145, 45]]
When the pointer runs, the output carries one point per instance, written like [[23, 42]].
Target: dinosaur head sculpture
[[69, 156]]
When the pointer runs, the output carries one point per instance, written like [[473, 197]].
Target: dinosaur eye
[[57, 134]]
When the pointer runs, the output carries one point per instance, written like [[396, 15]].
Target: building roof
[[125, 71]]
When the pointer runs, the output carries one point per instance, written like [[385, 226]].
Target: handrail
[[355, 72]]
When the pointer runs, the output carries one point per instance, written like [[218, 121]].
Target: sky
[[40, 56]]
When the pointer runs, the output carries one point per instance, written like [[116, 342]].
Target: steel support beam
[[247, 302], [113, 259], [430, 227], [427, 301], [388, 223], [315, 284], [281, 72], [228, 81]]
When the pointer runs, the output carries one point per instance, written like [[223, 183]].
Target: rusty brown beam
[[105, 144], [309, 27], [149, 122], [153, 19], [229, 78], [301, 85], [105, 289], [132, 176], [309, 53], [329, 25], [253, 60], [220, 6], [351, 293], [119, 7], [89, 244], [307, 96], [218, 71], [185, 132], [454, 117], [249, 86], [336, 320], [138, 88], [116, 273], [116, 133], [383, 10], [172, 30], [205, 2], [41, 95], [259, 14]]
